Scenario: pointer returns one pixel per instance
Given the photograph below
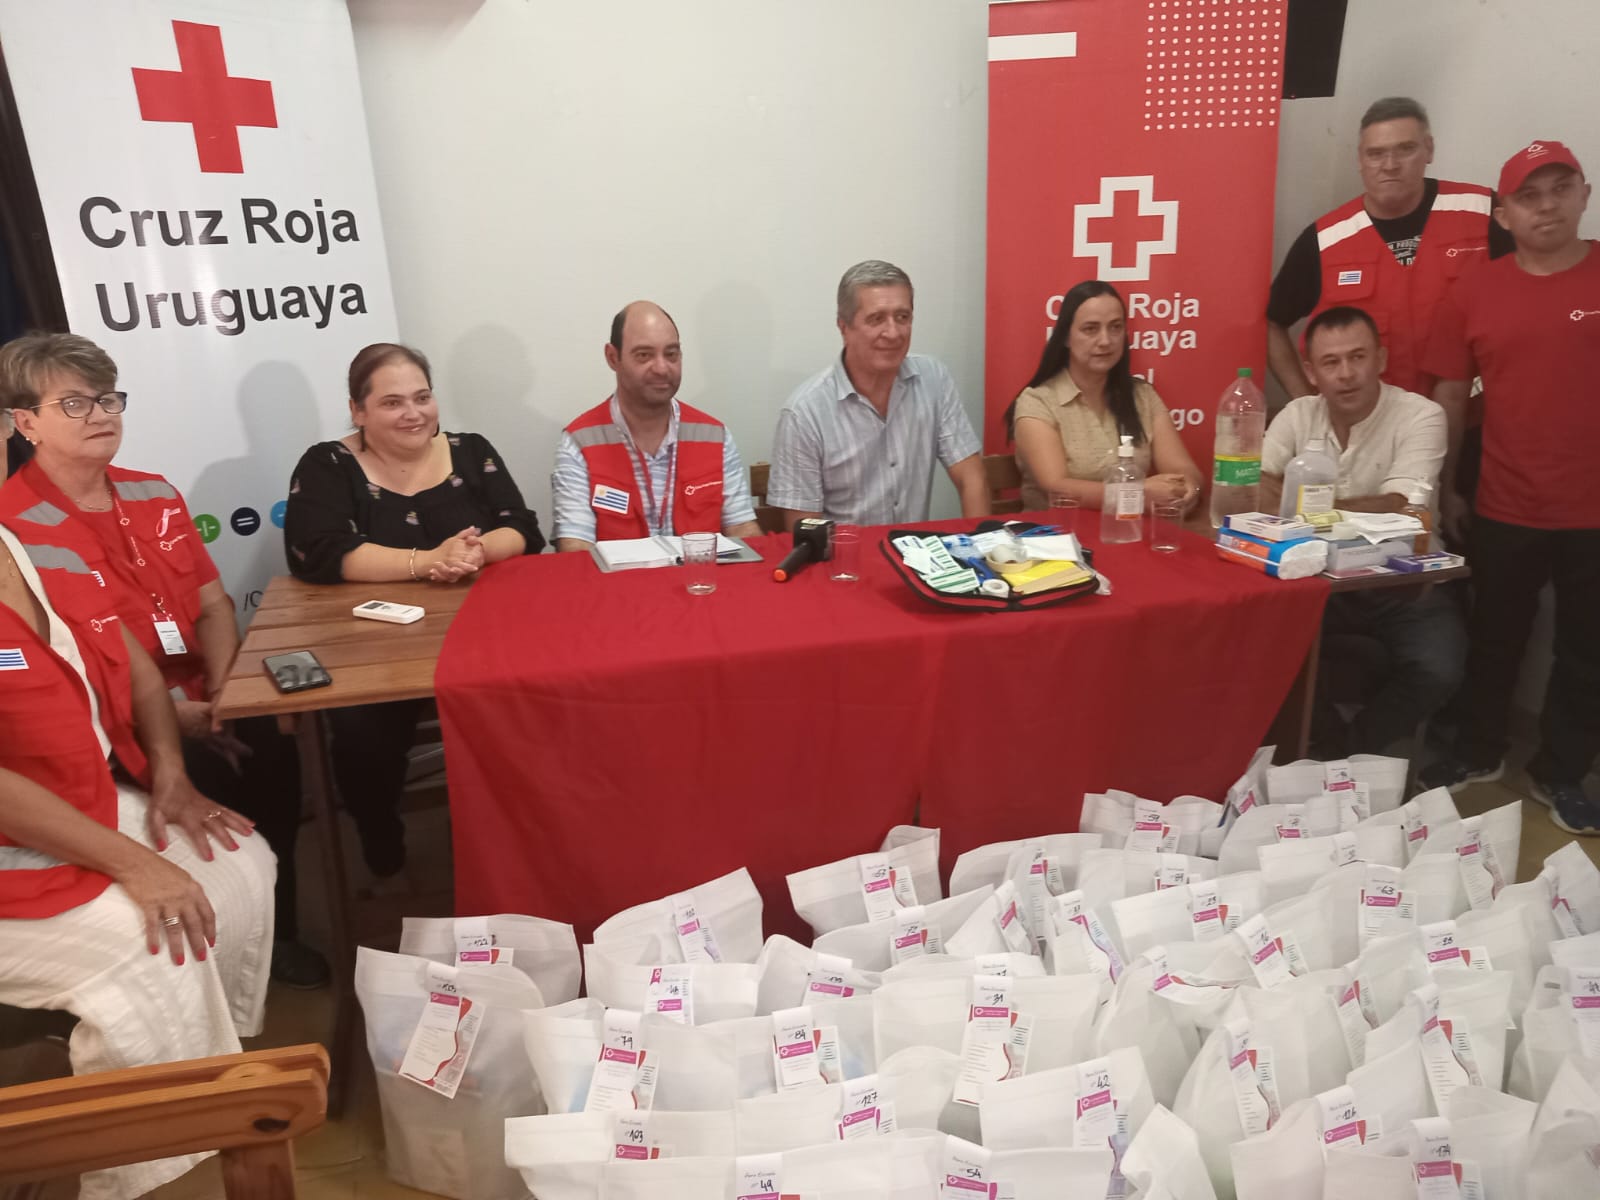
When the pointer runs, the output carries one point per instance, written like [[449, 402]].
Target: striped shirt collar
[[843, 389], [667, 442]]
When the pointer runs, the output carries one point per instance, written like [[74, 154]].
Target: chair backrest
[[1005, 481], [770, 519], [248, 1106]]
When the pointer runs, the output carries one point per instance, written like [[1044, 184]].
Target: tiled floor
[[344, 1159]]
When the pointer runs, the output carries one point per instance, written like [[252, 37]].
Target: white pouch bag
[[1511, 935], [836, 894], [435, 1141], [788, 1120], [1312, 933], [1549, 1037], [666, 1179], [696, 1067], [922, 1079], [870, 946], [1109, 814], [1433, 884], [1142, 922], [792, 975], [1289, 868], [1286, 1162], [1136, 1018], [1051, 1174], [1297, 782], [1164, 1160], [1560, 1162], [729, 907], [982, 933], [563, 1045], [1490, 1130], [717, 991], [545, 951], [921, 1012], [563, 1156], [1316, 817], [998, 861], [847, 1027], [1392, 1089], [1042, 1109], [1573, 882], [861, 1170], [1107, 875]]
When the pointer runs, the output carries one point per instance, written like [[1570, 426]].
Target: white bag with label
[[666, 1179], [1051, 1174], [1137, 1018], [1107, 875], [718, 991], [1290, 867], [1561, 1149], [1574, 886], [1391, 1089], [444, 1136], [1549, 1036], [1261, 826], [998, 861], [1433, 884], [793, 974], [922, 1080], [852, 890], [1417, 817], [1297, 782], [875, 945], [1110, 815], [563, 1156], [863, 1170], [995, 926], [1511, 934], [1142, 922], [719, 921], [545, 951], [1042, 1109], [696, 1067], [1164, 1160], [1491, 1130]]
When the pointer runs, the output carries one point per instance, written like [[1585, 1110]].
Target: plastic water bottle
[[1122, 505], [1309, 481], [1236, 458], [1417, 506]]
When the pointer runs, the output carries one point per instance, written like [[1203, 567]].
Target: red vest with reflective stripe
[[1360, 270], [45, 730], [697, 476]]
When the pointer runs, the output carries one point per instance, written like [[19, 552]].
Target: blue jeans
[[1424, 641]]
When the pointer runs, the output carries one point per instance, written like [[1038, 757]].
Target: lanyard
[[135, 555], [650, 490]]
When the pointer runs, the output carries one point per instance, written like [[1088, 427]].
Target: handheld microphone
[[813, 542]]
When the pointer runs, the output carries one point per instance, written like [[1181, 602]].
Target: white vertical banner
[[207, 185]]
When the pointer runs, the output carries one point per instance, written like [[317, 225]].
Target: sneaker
[[1570, 808], [296, 965], [1451, 772]]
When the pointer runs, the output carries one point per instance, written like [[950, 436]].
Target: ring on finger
[[213, 814], [172, 922]]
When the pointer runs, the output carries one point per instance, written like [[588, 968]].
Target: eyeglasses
[[78, 407]]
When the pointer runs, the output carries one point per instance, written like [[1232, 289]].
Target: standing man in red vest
[[1392, 252], [641, 462]]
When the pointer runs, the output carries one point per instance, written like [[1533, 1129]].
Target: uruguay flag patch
[[1349, 278], [611, 499], [13, 660]]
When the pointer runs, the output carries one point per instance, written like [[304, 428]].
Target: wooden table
[[371, 662]]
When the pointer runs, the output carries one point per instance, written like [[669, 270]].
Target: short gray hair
[[872, 273], [1395, 108]]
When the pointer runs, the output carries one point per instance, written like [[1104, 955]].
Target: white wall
[[1494, 76], [541, 164]]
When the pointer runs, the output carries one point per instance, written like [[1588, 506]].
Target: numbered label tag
[[1481, 875], [984, 1041], [436, 1057], [614, 1081], [1341, 1120], [1009, 918], [1103, 958], [757, 1176], [631, 1137], [911, 936], [1094, 1122], [826, 979], [670, 993], [1150, 831], [1267, 959], [1205, 911], [1353, 1022], [1338, 776], [964, 1171], [877, 886], [1173, 872], [794, 1049], [1431, 1161], [695, 939], [859, 1101], [1249, 1099], [1441, 945], [475, 945], [1385, 909], [1583, 1001]]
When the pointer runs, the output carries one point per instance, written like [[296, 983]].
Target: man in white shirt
[[1387, 442]]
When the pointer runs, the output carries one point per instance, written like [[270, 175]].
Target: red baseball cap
[[1529, 159]]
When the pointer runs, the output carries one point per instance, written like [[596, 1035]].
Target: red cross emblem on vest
[[202, 94]]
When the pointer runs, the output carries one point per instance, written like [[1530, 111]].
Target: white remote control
[[382, 610]]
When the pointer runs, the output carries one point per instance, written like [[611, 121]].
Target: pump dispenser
[[1122, 503]]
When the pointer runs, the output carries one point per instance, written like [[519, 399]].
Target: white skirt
[[135, 1008]]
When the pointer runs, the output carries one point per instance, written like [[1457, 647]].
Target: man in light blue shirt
[[857, 442], [640, 463]]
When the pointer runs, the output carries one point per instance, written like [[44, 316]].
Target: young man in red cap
[[1530, 325]]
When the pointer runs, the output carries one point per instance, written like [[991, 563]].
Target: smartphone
[[296, 671]]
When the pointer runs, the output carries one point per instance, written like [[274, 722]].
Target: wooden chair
[[770, 519], [248, 1106], [1005, 483]]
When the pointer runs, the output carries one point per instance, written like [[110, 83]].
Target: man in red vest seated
[[641, 462], [1391, 252]]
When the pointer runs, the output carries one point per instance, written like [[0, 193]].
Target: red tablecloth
[[611, 738]]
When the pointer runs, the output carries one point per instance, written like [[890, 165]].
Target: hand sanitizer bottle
[[1122, 505], [1309, 481]]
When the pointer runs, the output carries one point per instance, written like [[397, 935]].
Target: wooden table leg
[[311, 737], [1291, 730]]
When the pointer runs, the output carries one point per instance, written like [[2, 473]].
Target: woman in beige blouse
[[1067, 422]]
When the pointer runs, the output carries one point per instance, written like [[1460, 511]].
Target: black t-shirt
[[1298, 286], [333, 507]]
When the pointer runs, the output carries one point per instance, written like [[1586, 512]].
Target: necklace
[[103, 504]]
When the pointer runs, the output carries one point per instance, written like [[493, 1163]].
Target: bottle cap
[[1126, 449], [1315, 444], [1244, 372]]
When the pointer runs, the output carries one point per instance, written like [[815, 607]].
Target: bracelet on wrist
[[412, 563]]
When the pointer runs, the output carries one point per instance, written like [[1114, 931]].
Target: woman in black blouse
[[397, 499]]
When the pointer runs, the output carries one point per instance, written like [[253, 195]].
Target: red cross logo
[[1134, 224], [201, 93]]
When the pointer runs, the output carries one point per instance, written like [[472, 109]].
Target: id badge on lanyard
[[172, 644]]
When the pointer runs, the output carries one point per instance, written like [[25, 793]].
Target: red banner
[[1134, 141]]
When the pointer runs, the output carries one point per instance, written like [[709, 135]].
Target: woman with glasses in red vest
[[396, 499], [134, 531]]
